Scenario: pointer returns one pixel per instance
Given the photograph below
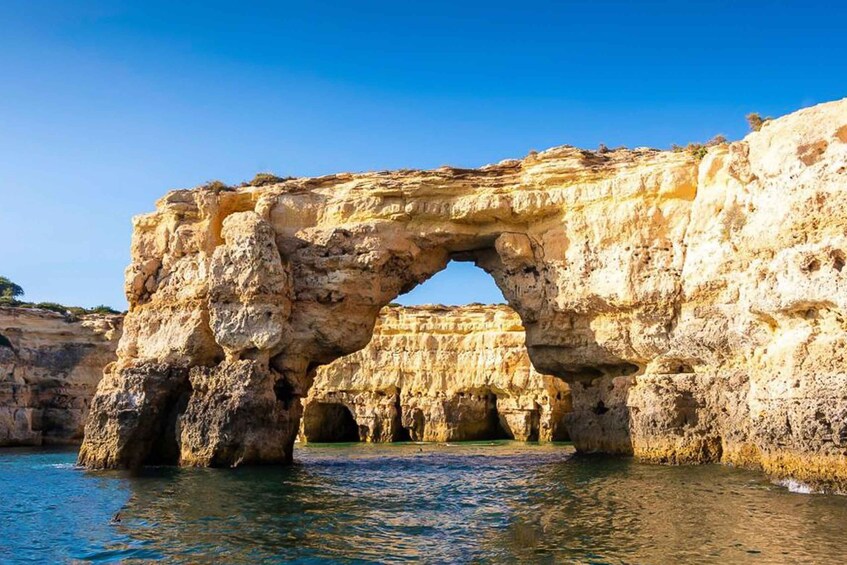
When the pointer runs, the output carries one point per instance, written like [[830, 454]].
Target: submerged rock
[[696, 307]]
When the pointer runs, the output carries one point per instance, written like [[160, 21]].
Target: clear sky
[[104, 106]]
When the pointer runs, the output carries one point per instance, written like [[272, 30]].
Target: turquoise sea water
[[492, 502]]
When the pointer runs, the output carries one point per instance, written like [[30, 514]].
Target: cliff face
[[49, 370], [434, 373], [695, 307]]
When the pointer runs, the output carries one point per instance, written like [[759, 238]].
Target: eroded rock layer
[[50, 365], [435, 373], [696, 306]]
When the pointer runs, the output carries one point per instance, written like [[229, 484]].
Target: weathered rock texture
[[50, 365], [696, 307], [436, 373]]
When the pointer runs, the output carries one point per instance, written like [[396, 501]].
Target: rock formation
[[50, 365], [436, 373], [695, 306]]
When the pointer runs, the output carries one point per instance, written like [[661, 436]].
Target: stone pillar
[[238, 414]]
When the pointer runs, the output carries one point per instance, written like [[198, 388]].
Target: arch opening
[[446, 362], [460, 283]]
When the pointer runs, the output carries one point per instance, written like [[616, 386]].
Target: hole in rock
[[284, 392], [164, 447], [251, 353], [600, 408], [677, 367], [461, 283], [400, 433], [329, 422], [812, 265], [498, 425], [838, 261], [4, 341], [455, 343]]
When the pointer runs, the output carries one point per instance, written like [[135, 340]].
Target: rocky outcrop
[[50, 365], [695, 306], [436, 373]]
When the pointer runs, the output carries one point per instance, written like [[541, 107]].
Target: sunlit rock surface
[[436, 373], [50, 365], [696, 307]]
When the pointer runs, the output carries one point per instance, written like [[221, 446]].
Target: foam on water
[[796, 486]]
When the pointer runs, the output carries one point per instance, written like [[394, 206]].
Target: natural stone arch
[[284, 278], [621, 264]]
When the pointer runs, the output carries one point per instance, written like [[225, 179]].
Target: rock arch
[[615, 261]]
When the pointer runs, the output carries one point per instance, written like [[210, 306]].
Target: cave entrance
[[497, 427], [325, 422], [401, 433]]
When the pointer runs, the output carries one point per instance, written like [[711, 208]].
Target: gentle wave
[[467, 502]]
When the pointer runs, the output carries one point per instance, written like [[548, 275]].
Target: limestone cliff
[[696, 306], [50, 365], [435, 373]]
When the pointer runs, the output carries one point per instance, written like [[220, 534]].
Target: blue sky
[[107, 105]]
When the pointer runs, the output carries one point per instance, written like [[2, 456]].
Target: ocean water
[[491, 502]]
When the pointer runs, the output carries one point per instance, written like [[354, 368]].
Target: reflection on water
[[471, 502]]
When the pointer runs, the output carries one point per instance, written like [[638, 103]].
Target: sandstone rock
[[637, 274], [435, 373], [140, 405], [50, 365], [238, 413]]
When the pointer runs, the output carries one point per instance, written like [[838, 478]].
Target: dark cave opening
[[329, 423], [400, 433]]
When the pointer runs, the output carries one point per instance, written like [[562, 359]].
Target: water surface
[[489, 502]]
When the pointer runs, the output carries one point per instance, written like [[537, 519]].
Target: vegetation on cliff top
[[9, 293], [699, 150], [9, 290], [755, 121]]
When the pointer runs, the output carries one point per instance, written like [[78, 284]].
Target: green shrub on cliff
[[9, 293], [264, 179], [699, 150], [102, 309], [217, 186], [52, 306], [8, 289]]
